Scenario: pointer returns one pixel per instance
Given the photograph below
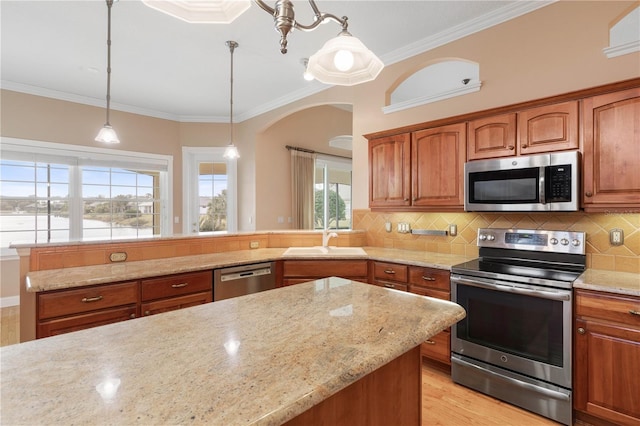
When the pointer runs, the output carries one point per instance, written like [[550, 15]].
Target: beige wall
[[311, 129]]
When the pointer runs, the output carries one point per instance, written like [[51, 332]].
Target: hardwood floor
[[443, 402]]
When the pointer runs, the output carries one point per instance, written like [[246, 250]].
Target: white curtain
[[302, 185]]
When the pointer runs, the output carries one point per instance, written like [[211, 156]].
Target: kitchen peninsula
[[266, 358]]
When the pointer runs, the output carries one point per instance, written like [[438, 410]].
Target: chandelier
[[343, 60], [107, 134]]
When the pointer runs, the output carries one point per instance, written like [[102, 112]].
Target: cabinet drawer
[[85, 299], [390, 271], [622, 309], [429, 277], [438, 347], [174, 303], [80, 322], [438, 294], [389, 284], [176, 285], [324, 268]]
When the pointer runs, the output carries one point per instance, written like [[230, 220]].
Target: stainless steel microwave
[[544, 182]]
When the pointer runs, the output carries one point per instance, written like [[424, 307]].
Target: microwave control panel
[[558, 183]]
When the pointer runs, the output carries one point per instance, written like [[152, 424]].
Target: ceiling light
[[107, 134], [231, 152], [205, 12], [343, 60]]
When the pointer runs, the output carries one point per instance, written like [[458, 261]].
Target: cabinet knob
[[147, 313], [132, 316], [581, 330], [524, 146], [589, 194], [511, 147], [430, 342], [406, 199]]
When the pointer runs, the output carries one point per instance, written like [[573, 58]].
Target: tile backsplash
[[600, 253]]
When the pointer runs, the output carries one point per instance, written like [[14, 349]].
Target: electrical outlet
[[387, 226], [119, 256], [404, 228], [254, 244], [616, 237], [453, 229]]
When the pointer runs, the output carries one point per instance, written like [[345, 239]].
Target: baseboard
[[5, 302]]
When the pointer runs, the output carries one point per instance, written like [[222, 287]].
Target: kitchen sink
[[325, 251]]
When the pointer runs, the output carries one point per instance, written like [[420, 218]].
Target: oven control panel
[[572, 242]]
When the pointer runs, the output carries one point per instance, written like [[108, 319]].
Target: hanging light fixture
[[231, 152], [107, 134], [343, 60]]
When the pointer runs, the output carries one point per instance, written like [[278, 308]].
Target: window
[[209, 191], [55, 192], [332, 193]]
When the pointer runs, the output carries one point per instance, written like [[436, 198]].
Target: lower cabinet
[[607, 357], [430, 282], [63, 311], [298, 271]]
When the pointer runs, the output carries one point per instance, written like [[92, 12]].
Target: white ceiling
[[164, 67]]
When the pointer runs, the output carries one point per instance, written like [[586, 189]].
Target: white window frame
[[14, 148], [336, 163], [191, 156]]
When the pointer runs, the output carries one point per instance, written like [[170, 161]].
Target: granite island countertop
[[257, 359]]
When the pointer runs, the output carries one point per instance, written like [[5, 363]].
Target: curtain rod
[[295, 148]]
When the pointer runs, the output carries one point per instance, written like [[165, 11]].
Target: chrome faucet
[[326, 235]]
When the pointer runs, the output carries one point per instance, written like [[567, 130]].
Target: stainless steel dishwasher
[[241, 280]]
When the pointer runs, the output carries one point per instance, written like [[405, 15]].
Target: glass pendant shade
[[206, 12], [107, 135], [344, 61], [231, 152]]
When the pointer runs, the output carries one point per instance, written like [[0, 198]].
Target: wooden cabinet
[[532, 131], [63, 311], [390, 171], [437, 160], [390, 275], [548, 128], [176, 292], [492, 137], [611, 129], [433, 283], [299, 271], [607, 357]]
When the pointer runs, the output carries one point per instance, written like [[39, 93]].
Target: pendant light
[[107, 134], [231, 152]]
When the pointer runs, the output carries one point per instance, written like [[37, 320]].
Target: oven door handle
[[479, 282], [548, 392]]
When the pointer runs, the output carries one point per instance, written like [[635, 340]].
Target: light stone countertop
[[56, 279], [259, 359], [609, 281]]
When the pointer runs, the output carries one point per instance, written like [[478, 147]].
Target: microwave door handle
[[541, 185]]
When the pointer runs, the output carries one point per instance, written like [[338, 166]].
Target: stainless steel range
[[515, 342]]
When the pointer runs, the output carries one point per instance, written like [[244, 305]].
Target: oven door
[[522, 328]]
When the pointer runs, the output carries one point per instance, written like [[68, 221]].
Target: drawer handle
[[632, 312], [428, 278], [389, 271], [390, 286], [91, 299], [430, 342], [179, 285]]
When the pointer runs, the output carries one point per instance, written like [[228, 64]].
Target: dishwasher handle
[[245, 274]]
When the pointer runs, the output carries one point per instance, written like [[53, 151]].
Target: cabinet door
[[606, 371], [492, 137], [437, 166], [612, 151], [390, 171], [548, 128], [57, 326]]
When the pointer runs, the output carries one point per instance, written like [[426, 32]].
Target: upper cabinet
[[531, 131], [419, 170], [437, 161], [611, 128], [390, 171]]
